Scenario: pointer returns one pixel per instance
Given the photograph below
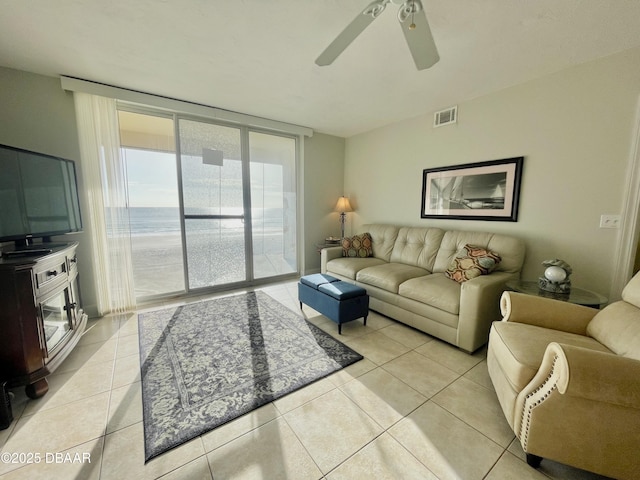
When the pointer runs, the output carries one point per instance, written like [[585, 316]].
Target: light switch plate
[[609, 221]]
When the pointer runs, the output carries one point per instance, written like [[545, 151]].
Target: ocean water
[[159, 220], [154, 221]]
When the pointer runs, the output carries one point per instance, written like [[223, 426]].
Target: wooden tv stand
[[40, 319]]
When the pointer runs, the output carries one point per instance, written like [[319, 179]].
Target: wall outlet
[[609, 221]]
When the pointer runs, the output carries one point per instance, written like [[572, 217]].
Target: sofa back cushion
[[617, 327], [417, 246], [510, 249], [383, 238]]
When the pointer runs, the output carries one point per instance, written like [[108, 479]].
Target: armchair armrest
[[599, 376], [545, 312], [327, 254], [582, 408]]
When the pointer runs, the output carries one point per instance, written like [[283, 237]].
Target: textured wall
[[575, 130]]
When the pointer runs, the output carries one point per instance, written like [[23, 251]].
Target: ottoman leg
[[365, 320], [339, 329]]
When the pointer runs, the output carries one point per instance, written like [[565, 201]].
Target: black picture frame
[[473, 191]]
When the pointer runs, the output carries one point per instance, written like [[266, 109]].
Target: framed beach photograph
[[473, 191]]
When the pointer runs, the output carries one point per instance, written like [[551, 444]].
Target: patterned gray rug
[[207, 363]]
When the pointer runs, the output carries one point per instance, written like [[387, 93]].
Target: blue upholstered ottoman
[[337, 300]]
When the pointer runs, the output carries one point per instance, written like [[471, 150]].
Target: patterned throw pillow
[[471, 262], [357, 246]]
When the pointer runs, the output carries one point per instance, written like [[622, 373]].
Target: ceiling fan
[[414, 26]]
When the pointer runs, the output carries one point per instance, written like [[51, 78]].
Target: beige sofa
[[405, 279], [568, 380]]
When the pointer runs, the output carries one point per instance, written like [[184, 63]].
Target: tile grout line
[[106, 425]]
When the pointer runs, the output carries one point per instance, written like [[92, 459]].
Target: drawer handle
[[70, 306], [52, 273], [73, 260]]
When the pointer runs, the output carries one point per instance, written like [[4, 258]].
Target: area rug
[[206, 363]]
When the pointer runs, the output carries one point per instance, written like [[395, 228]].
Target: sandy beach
[[214, 259]]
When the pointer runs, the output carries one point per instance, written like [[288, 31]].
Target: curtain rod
[[85, 86]]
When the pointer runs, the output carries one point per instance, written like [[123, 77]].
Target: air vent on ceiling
[[445, 117]]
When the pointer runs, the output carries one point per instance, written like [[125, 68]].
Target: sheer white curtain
[[104, 175]]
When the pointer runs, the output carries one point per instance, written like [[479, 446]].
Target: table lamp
[[343, 206]]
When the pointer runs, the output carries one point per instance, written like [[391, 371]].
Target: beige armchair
[[568, 380]]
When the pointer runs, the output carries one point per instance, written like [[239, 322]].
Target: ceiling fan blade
[[349, 34], [423, 48]]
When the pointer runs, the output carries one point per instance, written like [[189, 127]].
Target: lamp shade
[[343, 205]]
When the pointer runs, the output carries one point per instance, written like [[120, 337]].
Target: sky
[[152, 178], [152, 182]]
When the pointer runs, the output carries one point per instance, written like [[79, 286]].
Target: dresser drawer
[[53, 274]]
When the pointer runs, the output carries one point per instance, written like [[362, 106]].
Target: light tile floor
[[414, 408]]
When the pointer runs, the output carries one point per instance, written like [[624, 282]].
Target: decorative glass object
[[556, 277]]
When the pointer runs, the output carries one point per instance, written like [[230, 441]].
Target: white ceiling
[[257, 56]]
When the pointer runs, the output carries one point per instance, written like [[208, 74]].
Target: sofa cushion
[[417, 246], [519, 348], [435, 289], [389, 276], [349, 267], [383, 238], [617, 327], [471, 262], [357, 246], [510, 249]]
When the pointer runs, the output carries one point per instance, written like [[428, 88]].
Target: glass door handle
[[214, 217], [70, 306]]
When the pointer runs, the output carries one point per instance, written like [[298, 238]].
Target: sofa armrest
[[582, 408], [479, 308], [545, 312], [327, 254]]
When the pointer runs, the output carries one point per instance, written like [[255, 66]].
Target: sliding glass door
[[211, 206], [214, 203], [273, 204], [148, 148]]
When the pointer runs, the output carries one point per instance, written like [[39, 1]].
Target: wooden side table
[[579, 296]]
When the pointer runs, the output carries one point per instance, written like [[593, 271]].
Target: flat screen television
[[38, 197]]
